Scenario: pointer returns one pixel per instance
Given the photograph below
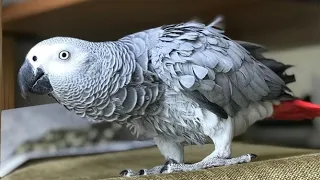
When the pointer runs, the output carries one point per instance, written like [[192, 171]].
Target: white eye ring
[[64, 55]]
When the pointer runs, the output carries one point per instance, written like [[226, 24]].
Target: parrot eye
[[64, 55], [34, 58]]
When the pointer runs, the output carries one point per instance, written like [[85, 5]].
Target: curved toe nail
[[253, 156], [174, 161], [171, 161], [142, 172], [164, 168], [123, 173]]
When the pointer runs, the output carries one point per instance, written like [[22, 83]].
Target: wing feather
[[212, 69]]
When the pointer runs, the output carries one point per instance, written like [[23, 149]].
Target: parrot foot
[[129, 172], [208, 162]]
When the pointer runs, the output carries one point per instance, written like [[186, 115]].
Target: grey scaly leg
[[221, 132], [169, 149], [172, 166]]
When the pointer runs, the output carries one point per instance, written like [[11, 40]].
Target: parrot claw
[[208, 162], [167, 165], [171, 161], [142, 172], [165, 169], [253, 156], [127, 173]]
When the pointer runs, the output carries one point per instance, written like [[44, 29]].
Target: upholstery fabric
[[272, 163]]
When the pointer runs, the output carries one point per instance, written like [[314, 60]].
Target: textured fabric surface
[[297, 167], [272, 163]]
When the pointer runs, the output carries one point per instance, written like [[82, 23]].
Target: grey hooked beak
[[33, 83]]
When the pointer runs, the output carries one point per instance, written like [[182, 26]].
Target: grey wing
[[201, 62]]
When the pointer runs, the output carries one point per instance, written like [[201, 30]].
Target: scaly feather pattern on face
[[107, 84]]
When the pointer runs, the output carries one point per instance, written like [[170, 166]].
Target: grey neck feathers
[[112, 87]]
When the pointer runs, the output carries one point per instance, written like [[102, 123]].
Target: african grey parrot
[[179, 84]]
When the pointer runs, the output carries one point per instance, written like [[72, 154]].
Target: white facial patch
[[37, 56], [49, 59]]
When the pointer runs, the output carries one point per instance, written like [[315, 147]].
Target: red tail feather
[[296, 110]]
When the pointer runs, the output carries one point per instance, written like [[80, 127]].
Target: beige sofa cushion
[[272, 163]]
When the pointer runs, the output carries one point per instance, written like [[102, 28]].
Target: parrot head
[[55, 65]]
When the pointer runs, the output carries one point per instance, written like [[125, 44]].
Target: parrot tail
[[277, 67], [295, 110]]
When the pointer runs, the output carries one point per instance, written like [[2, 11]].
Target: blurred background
[[288, 28]]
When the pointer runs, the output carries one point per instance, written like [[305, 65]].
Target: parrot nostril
[[34, 58]]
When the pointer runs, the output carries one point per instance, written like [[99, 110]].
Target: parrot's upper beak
[[30, 82]]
